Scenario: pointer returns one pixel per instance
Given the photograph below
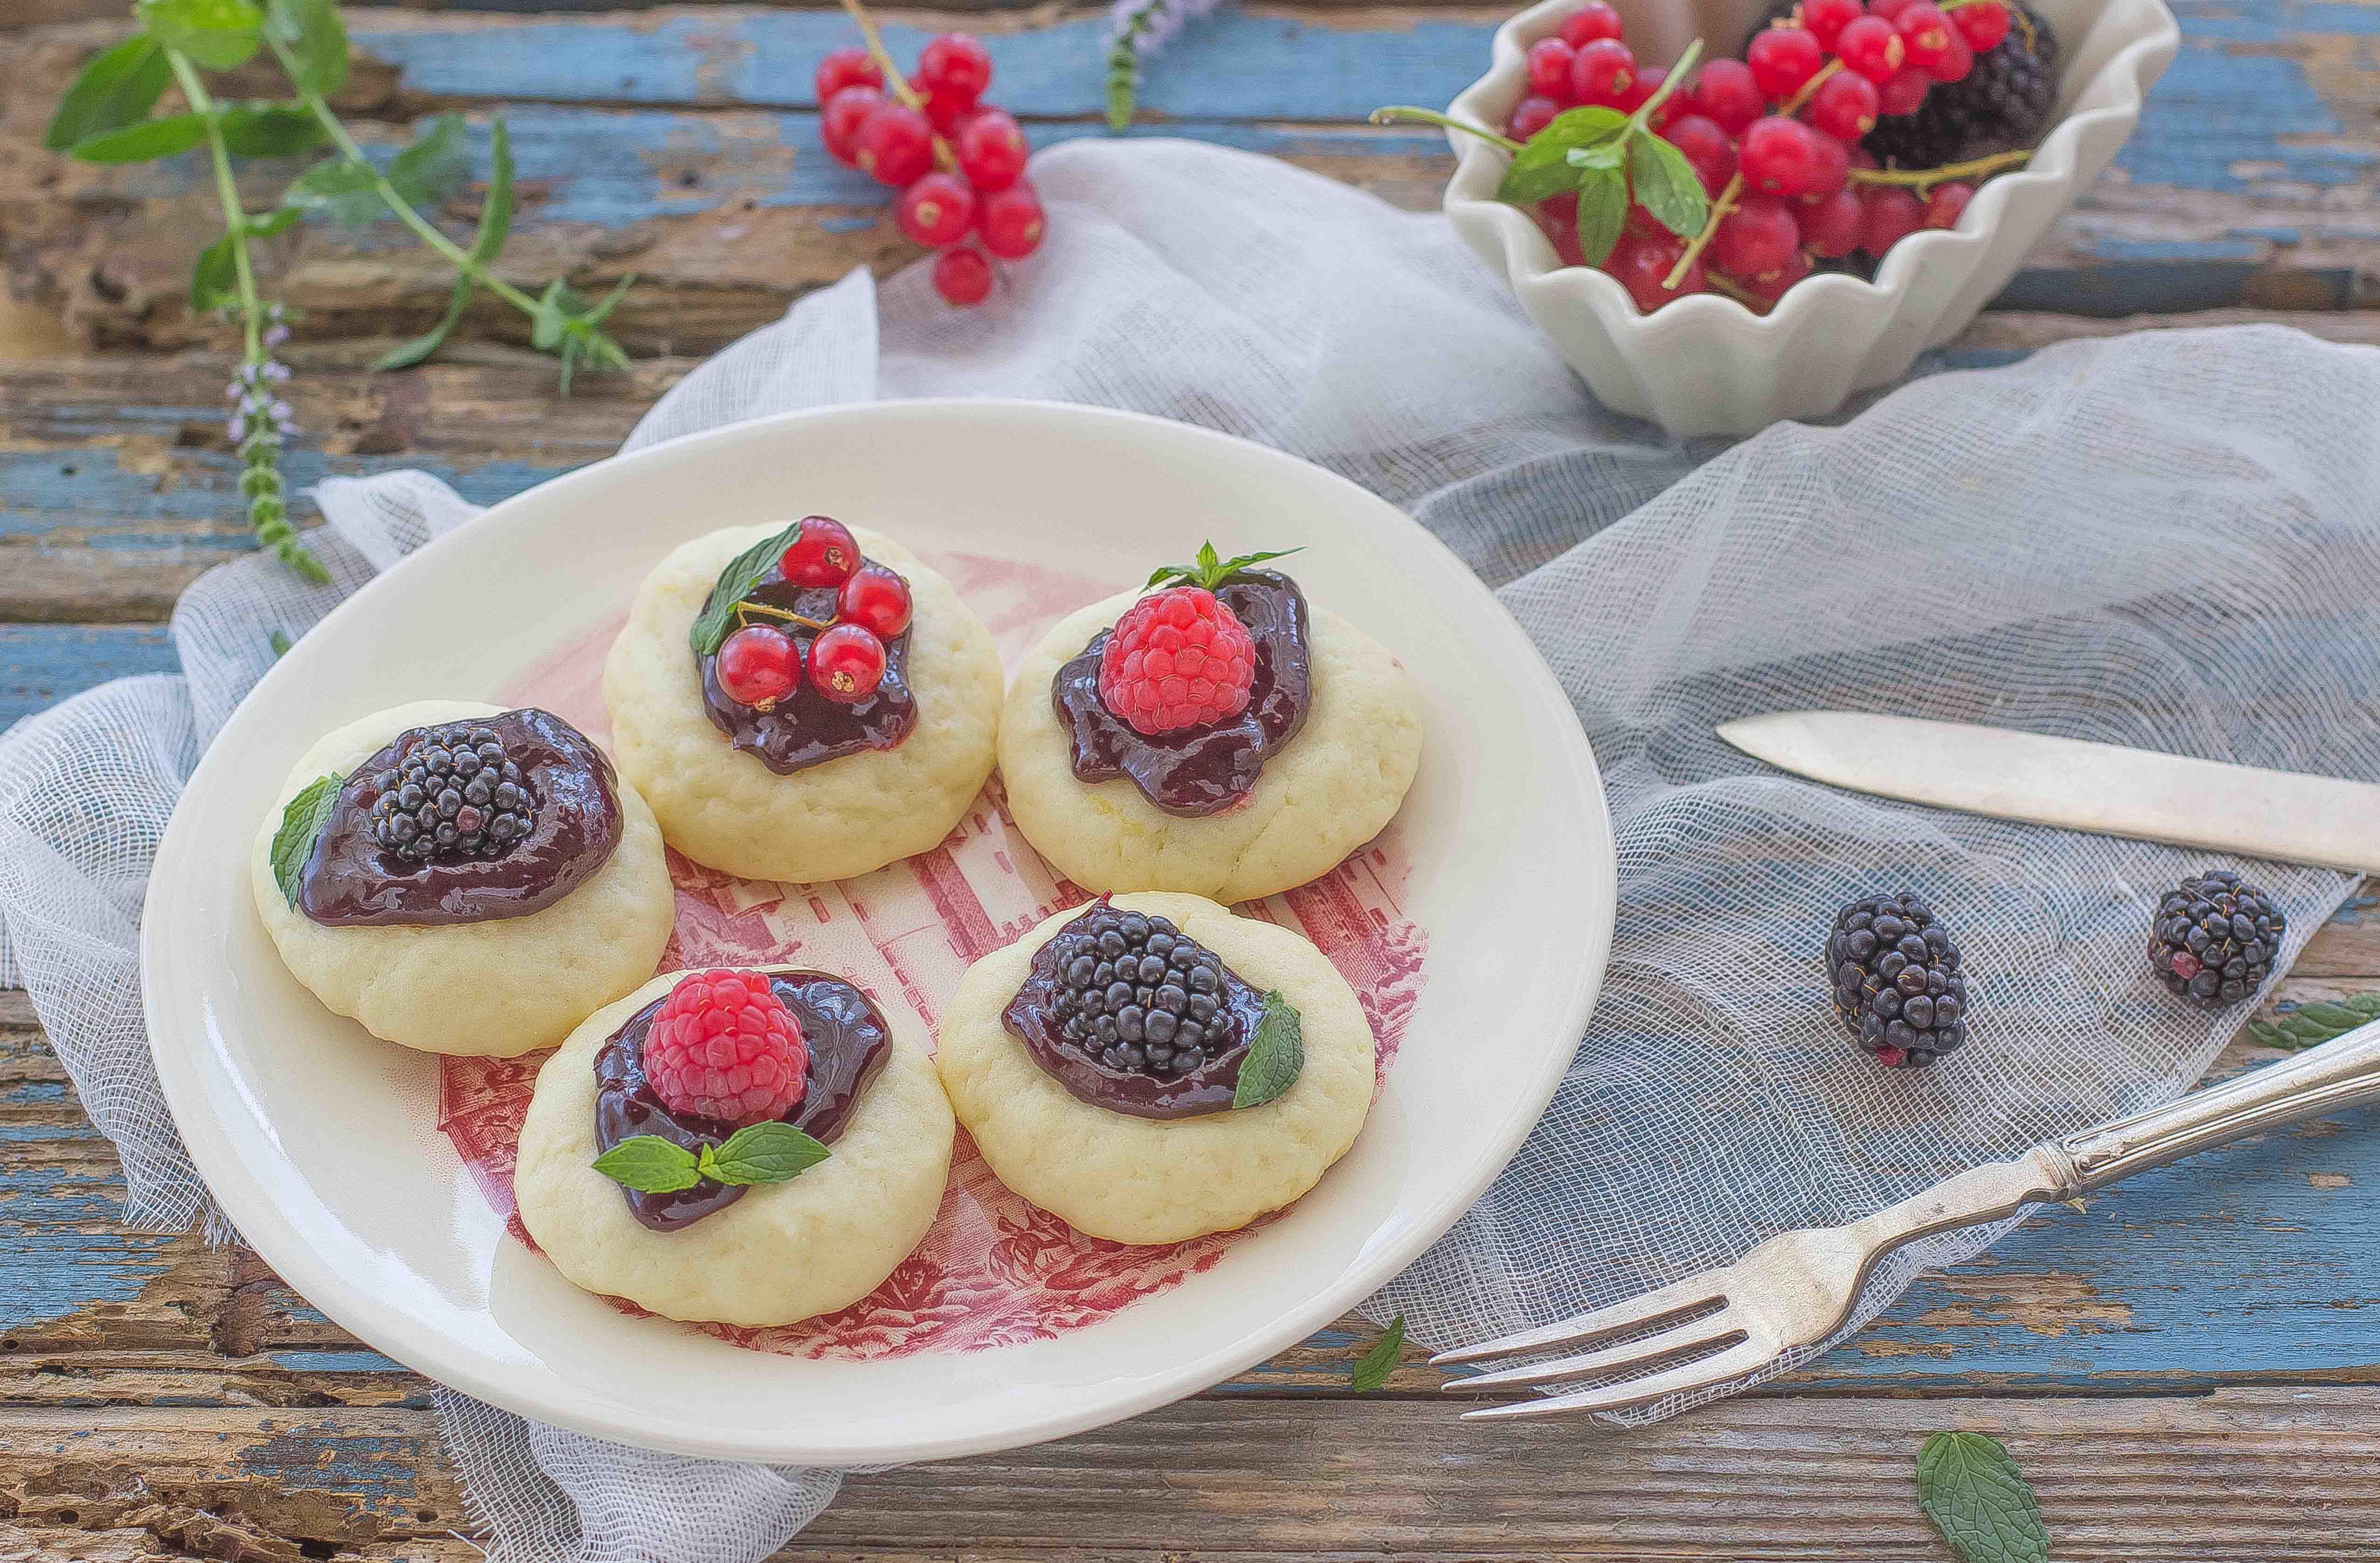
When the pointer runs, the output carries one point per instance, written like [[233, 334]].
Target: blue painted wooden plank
[[42, 664]]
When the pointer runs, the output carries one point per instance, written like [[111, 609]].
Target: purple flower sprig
[[1138, 31], [260, 424]]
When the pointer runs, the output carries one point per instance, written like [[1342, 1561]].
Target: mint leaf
[[280, 643], [343, 191], [435, 166], [2315, 1021], [1602, 213], [763, 1152], [1542, 167], [1978, 1499], [317, 41], [555, 308], [141, 141], [301, 823], [736, 583], [217, 34], [1211, 569], [1276, 1058], [651, 1165], [269, 131], [214, 281], [1372, 1370], [495, 223], [1666, 185], [116, 89], [1602, 154]]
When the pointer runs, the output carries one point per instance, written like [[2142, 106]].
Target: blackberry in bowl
[[2215, 939], [1897, 982], [453, 794]]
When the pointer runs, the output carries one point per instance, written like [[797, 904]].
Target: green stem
[[1396, 113], [1923, 178], [1670, 81], [226, 191], [1721, 207]]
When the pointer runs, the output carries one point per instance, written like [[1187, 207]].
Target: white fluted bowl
[[1706, 365]]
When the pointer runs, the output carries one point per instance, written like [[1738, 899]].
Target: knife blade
[[2101, 787]]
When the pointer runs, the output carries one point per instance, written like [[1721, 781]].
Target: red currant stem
[[767, 611], [1741, 295], [1670, 82], [944, 158], [1925, 179], [1721, 207], [1396, 112], [1802, 94]]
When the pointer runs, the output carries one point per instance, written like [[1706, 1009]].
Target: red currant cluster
[[959, 165], [1774, 138], [760, 665]]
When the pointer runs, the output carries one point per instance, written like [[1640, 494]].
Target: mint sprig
[[1372, 1369], [1211, 569], [1276, 1058], [717, 619], [2317, 1020], [758, 1152], [1979, 1500], [302, 819]]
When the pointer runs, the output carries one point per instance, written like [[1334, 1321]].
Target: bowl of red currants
[[1729, 212]]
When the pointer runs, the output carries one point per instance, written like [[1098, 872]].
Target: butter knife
[[2100, 787]]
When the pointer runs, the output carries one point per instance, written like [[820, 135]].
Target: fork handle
[[2342, 1072]]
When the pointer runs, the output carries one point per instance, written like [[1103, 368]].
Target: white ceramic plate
[[323, 1144]]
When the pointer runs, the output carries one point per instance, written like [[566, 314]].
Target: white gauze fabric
[[2165, 540]]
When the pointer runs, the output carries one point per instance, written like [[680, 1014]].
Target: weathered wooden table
[[2186, 1368]]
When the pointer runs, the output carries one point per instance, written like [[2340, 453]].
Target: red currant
[[947, 111], [1833, 169], [1011, 221], [937, 209], [1759, 237], [839, 121], [895, 144], [1602, 73], [1781, 156], [1943, 207], [845, 67], [954, 63], [1783, 58], [962, 275], [876, 599], [1956, 61], [759, 665], [1889, 10], [1563, 234], [1925, 34], [991, 148], [1643, 261], [821, 553], [1530, 116], [1593, 21], [1771, 286], [1650, 79], [1892, 215], [1725, 91], [1844, 106], [1903, 91], [1549, 67], [1983, 23], [1871, 47], [1832, 224], [846, 664], [1707, 147], [1561, 207], [1827, 19]]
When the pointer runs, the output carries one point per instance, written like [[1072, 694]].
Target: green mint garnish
[[758, 1152], [1212, 569], [717, 619], [2315, 1021], [301, 823], [1979, 1500], [1611, 160], [1276, 1058], [1372, 1370]]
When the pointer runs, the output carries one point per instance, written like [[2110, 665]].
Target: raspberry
[[1177, 658], [725, 1047]]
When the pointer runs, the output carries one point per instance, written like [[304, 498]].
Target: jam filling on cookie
[[1195, 771], [1129, 1013], [846, 1040], [805, 726], [464, 822]]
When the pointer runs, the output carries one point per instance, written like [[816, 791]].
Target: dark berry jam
[[1200, 771], [805, 729], [463, 861], [848, 1043], [1131, 1014]]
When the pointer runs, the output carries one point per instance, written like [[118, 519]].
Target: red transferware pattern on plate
[[994, 1270]]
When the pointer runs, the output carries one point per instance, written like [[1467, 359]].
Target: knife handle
[[2342, 1072]]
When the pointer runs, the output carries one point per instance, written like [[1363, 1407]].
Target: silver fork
[[1798, 1288]]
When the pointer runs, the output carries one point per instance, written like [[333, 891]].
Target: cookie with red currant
[[746, 1147], [1213, 734], [802, 701]]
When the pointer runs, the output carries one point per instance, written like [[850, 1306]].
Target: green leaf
[[339, 190], [1542, 167], [301, 823], [1602, 154], [734, 583], [1276, 1058], [217, 34], [316, 39], [1372, 1370], [1602, 213], [649, 1164], [763, 1152], [273, 222], [280, 643], [554, 307], [116, 89], [602, 311], [1666, 185], [214, 281], [1211, 569], [496, 222], [269, 131], [435, 166], [2311, 1024], [1978, 1499], [145, 139]]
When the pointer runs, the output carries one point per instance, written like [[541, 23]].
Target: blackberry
[[1896, 978], [2001, 104], [452, 794], [2214, 939], [1140, 996]]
